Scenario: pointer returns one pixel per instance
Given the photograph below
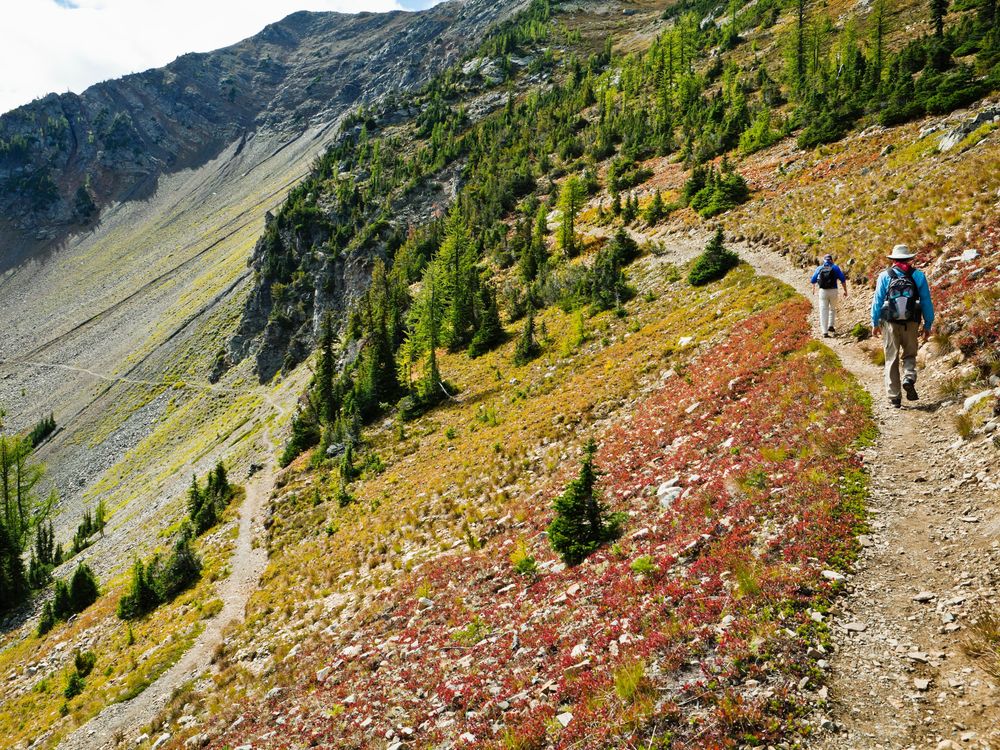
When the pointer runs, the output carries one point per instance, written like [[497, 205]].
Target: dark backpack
[[902, 301], [827, 278]]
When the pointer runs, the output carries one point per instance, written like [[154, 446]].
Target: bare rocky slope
[[119, 310], [65, 157]]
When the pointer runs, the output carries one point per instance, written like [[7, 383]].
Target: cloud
[[67, 45]]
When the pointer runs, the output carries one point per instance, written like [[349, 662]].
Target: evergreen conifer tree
[[45, 544], [83, 589], [206, 517], [582, 524], [429, 388], [182, 568], [655, 210], [141, 597], [195, 498], [714, 263], [342, 497], [527, 347], [490, 331], [39, 574], [13, 583], [47, 620], [607, 280], [456, 256], [100, 516], [221, 484], [347, 464], [325, 373], [62, 604], [571, 198], [939, 8], [377, 381]]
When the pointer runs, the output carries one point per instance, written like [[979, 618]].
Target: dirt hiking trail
[[899, 677], [121, 723]]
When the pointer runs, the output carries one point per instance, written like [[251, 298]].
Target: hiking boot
[[826, 335], [831, 329], [896, 402], [911, 391]]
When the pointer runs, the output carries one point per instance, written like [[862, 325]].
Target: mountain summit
[[65, 157]]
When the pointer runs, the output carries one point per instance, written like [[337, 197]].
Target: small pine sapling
[[714, 263], [582, 523]]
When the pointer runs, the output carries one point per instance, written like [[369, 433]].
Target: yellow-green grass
[[849, 201], [130, 656], [512, 431]]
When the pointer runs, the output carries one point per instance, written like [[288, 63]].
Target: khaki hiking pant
[[900, 343], [828, 300]]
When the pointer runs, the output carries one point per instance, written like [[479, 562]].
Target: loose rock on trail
[[900, 678], [126, 721]]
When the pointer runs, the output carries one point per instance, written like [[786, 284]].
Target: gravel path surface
[[125, 721], [899, 678]]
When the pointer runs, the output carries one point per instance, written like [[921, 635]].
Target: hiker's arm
[[926, 306], [843, 280], [881, 287]]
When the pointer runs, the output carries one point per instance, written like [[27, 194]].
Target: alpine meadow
[[452, 379]]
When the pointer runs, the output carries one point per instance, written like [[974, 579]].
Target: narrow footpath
[[125, 722], [899, 678]]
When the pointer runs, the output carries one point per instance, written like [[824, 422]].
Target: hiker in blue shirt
[[902, 301], [825, 278]]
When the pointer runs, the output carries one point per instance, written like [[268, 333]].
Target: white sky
[[67, 45]]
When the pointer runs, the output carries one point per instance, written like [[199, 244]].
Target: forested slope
[[480, 278], [412, 586]]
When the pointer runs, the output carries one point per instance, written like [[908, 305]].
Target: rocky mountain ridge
[[66, 156]]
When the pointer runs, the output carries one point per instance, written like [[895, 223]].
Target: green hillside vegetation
[[160, 579], [69, 599], [544, 152], [176, 595], [23, 517], [445, 412]]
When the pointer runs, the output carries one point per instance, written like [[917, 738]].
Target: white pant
[[827, 309]]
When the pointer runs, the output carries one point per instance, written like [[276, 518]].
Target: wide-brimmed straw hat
[[901, 252]]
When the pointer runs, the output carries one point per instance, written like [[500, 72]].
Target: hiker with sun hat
[[901, 303]]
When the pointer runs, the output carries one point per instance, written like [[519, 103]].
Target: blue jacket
[[836, 272], [882, 289]]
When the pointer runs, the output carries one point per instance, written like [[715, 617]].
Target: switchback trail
[[899, 677], [125, 721]]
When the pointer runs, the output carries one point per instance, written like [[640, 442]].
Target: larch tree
[[571, 198]]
